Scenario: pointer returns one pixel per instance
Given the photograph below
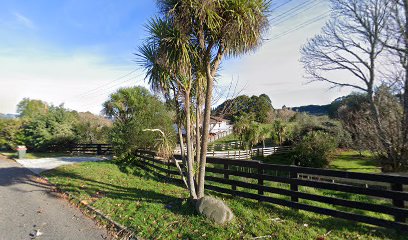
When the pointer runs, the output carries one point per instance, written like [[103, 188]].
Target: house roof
[[214, 119]]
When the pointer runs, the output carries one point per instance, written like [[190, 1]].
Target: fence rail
[[256, 180], [97, 149], [245, 154]]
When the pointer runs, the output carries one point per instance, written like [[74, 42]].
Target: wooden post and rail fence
[[106, 149], [291, 186], [95, 149], [243, 177]]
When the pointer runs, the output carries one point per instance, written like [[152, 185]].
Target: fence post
[[260, 180], [293, 186], [98, 149], [226, 176], [168, 167], [398, 202]]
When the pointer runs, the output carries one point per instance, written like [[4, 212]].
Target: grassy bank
[[156, 209]]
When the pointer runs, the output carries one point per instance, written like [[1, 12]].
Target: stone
[[214, 209]]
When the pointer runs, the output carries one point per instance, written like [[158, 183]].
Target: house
[[219, 127]]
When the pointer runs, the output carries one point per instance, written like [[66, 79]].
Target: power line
[[300, 26], [105, 91], [281, 5], [292, 10], [111, 87], [106, 84], [297, 12]]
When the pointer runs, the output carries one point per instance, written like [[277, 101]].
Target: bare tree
[[397, 43], [353, 41]]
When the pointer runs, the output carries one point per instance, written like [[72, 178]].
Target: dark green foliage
[[317, 110], [51, 131], [314, 150], [134, 110], [281, 132], [305, 124], [260, 107], [51, 128], [30, 108], [10, 133]]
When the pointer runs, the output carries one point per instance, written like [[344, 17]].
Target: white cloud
[[24, 20], [82, 82]]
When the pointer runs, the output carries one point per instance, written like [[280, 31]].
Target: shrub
[[138, 118], [52, 131], [10, 133], [314, 150]]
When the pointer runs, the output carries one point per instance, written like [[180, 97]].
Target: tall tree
[[29, 108], [353, 42], [168, 58], [206, 32], [397, 42]]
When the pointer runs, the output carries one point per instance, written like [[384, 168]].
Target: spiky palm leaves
[[186, 47]]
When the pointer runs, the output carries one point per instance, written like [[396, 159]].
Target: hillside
[[317, 110], [8, 116]]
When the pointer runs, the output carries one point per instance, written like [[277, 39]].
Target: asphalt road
[[29, 210]]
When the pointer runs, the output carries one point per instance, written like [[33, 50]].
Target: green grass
[[158, 209], [225, 140], [346, 160], [283, 159], [351, 160]]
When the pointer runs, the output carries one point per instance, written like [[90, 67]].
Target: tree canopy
[[133, 110], [259, 106]]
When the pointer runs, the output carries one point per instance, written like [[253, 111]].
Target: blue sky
[[78, 52]]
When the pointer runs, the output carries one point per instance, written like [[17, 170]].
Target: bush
[[138, 117], [314, 150], [92, 128], [52, 131], [305, 123], [10, 133]]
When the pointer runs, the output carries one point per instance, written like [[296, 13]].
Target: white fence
[[245, 154], [219, 135]]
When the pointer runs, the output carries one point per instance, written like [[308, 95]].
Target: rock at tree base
[[214, 209]]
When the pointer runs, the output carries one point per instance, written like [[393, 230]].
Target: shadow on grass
[[281, 158], [300, 217], [175, 204], [98, 189]]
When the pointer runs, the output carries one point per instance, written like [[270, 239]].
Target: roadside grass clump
[[157, 208]]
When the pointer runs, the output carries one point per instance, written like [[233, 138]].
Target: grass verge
[[157, 209]]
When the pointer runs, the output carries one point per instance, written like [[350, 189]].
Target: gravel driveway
[[42, 164]]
